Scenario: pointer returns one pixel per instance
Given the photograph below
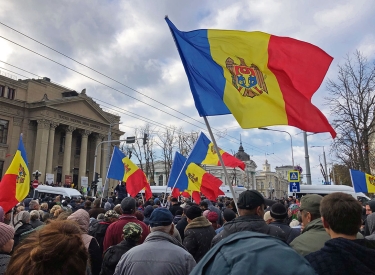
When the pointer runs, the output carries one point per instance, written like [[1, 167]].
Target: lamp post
[[281, 131], [325, 162]]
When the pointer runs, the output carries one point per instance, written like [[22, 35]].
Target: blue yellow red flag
[[261, 79], [362, 182], [177, 176], [15, 184]]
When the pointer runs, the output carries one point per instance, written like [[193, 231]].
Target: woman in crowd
[[6, 245], [21, 225], [55, 249]]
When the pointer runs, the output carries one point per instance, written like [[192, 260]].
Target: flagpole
[[175, 183], [221, 161]]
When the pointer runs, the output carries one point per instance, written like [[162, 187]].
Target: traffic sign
[[294, 187], [293, 176], [35, 183]]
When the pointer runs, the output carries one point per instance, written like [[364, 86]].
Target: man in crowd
[[251, 205], [96, 209], [313, 235], [228, 215], [114, 230], [34, 205], [174, 206], [279, 214], [343, 253], [120, 192], [160, 254]]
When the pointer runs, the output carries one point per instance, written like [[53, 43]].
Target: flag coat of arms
[[261, 79], [362, 182], [15, 184]]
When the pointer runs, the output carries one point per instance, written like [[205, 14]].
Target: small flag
[[15, 184], [362, 182]]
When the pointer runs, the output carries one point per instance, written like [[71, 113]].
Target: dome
[[241, 155]]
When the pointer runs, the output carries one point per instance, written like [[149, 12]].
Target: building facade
[[61, 129]]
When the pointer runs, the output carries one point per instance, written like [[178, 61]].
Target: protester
[[178, 216], [118, 209], [96, 209], [267, 217], [343, 254], [371, 226], [160, 254], [82, 218], [181, 225], [35, 219], [120, 191], [212, 218], [21, 225], [139, 215], [87, 206], [313, 235], [174, 206], [2, 214], [113, 233], [55, 249], [198, 233], [44, 207], [228, 215], [6, 245], [34, 205], [131, 234], [147, 214], [101, 227], [252, 253], [279, 214], [211, 207], [251, 205]]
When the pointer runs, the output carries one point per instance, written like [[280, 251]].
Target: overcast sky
[[130, 42]]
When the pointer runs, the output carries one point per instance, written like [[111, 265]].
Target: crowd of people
[[125, 235]]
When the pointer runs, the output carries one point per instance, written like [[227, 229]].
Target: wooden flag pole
[[221, 161]]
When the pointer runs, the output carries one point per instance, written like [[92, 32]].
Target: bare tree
[[167, 142], [186, 141], [352, 102]]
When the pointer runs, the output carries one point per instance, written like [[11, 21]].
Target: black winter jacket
[[249, 223], [341, 256], [291, 233], [99, 233], [113, 255], [181, 225], [198, 236]]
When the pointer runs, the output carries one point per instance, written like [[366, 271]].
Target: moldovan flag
[[204, 152], [177, 174], [122, 168], [15, 184], [261, 79], [362, 182]]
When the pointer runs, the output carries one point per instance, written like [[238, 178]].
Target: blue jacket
[[264, 255]]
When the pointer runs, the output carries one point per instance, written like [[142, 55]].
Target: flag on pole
[[177, 173], [122, 168], [15, 185], [261, 79], [204, 153], [362, 182]]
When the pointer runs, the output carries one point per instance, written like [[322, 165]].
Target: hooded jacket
[[216, 210], [341, 256], [198, 237], [249, 223], [370, 224], [311, 239], [160, 254]]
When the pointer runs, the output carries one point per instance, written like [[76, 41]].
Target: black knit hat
[[228, 214], [278, 211], [128, 205], [250, 199], [193, 212]]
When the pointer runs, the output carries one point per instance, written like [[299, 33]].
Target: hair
[[97, 203], [54, 208], [63, 215], [34, 215], [164, 228], [139, 215], [204, 204], [101, 216], [118, 209], [44, 206], [87, 204], [45, 217], [32, 204], [55, 249], [57, 213], [342, 212]]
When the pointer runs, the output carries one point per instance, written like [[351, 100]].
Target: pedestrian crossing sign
[[293, 176]]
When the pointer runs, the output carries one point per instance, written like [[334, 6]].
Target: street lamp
[[281, 131], [325, 162]]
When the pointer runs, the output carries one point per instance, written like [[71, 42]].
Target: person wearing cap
[[99, 229], [313, 235], [344, 253], [174, 206], [160, 254], [279, 214], [121, 192], [228, 215], [114, 231], [198, 233], [182, 223], [6, 245], [131, 234], [211, 207], [251, 205]]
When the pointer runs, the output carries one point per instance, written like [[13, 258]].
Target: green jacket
[[312, 238]]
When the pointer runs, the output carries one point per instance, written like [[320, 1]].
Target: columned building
[[271, 184], [61, 129]]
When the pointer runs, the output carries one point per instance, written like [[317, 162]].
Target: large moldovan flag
[[261, 79], [15, 184], [362, 182]]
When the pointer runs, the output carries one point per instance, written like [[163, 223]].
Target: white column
[[83, 156], [51, 141], [67, 152], [40, 155]]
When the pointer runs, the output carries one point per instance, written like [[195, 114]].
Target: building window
[[11, 93], [3, 131], [59, 174], [160, 180], [2, 91], [1, 168], [62, 143], [78, 145]]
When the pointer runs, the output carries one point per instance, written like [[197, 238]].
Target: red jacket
[[114, 231]]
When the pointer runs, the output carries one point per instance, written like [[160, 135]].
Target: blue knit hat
[[160, 217]]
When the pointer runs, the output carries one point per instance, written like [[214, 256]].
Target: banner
[[84, 182], [50, 179]]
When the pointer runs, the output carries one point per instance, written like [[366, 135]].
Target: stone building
[[61, 129]]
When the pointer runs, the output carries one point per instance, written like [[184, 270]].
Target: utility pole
[[307, 159]]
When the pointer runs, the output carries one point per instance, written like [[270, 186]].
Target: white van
[[228, 193], [328, 189], [43, 190]]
